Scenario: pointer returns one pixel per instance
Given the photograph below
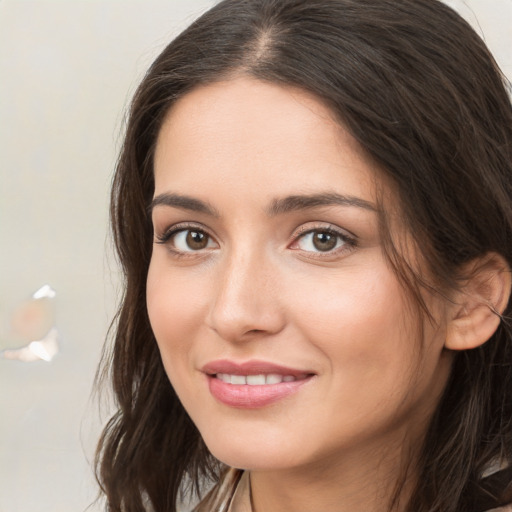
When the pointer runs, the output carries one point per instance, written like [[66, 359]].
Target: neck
[[360, 482]]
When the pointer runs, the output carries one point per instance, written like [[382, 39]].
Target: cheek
[[362, 325], [359, 306], [174, 309]]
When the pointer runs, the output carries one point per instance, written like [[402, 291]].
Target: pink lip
[[245, 396], [250, 368]]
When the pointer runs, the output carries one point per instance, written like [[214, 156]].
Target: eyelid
[[350, 240], [322, 226], [180, 226], [172, 230]]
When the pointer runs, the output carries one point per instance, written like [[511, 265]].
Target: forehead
[[252, 132]]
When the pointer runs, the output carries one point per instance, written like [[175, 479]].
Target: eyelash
[[349, 242], [169, 233]]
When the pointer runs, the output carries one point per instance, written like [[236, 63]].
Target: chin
[[252, 453], [251, 461]]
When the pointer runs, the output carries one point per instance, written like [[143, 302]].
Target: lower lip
[[244, 396]]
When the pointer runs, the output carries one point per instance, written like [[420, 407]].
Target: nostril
[[255, 331]]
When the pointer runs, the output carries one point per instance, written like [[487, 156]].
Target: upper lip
[[253, 367]]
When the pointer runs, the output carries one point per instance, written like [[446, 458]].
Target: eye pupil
[[324, 241], [197, 240]]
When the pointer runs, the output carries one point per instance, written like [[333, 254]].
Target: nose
[[246, 302]]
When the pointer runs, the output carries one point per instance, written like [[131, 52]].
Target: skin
[[260, 289]]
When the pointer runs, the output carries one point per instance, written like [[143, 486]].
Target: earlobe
[[479, 303]]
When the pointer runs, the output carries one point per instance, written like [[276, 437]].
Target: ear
[[479, 303]]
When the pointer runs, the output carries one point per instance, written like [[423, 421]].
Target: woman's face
[[281, 326]]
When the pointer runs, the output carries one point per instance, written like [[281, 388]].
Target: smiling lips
[[253, 384], [254, 380]]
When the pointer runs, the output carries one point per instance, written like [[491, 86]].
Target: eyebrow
[[277, 206], [184, 203], [303, 202]]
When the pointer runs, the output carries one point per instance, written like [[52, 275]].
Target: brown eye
[[324, 241], [321, 241], [196, 240], [190, 240]]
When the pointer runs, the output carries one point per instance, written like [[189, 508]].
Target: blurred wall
[[67, 70]]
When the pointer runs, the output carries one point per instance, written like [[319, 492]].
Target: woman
[[312, 209]]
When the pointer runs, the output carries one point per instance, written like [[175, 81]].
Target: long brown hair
[[424, 98]]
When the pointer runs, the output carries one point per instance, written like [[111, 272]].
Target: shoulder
[[221, 495], [495, 492]]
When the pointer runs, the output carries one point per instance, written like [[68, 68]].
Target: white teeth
[[255, 380], [274, 378], [238, 379]]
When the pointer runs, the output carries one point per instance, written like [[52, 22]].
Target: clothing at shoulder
[[231, 494]]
